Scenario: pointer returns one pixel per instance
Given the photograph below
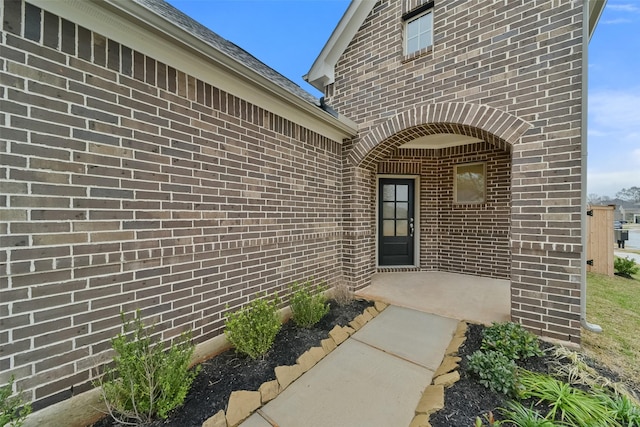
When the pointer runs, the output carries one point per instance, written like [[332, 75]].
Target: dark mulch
[[468, 399], [228, 371], [221, 375]]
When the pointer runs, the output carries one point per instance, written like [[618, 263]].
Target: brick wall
[[459, 238], [127, 184], [493, 65]]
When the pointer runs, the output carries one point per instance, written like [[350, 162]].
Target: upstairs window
[[418, 29]]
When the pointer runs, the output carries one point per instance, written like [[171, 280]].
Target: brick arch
[[487, 123]]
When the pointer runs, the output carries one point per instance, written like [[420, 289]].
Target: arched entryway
[[431, 192]]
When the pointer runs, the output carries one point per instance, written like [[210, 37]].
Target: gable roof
[[162, 32], [595, 11], [322, 71], [186, 23]]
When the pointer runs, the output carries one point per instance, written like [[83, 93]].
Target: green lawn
[[614, 304]]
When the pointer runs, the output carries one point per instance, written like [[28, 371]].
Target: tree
[[631, 194], [596, 199]]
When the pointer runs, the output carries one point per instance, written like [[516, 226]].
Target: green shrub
[[254, 327], [571, 405], [624, 409], [308, 305], [13, 410], [521, 416], [146, 380], [495, 370], [625, 266], [510, 339]]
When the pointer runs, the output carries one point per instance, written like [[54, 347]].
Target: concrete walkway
[[457, 296], [374, 379]]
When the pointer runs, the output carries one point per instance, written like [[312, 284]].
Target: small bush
[[495, 370], [568, 404], [13, 410], [625, 410], [253, 328], [146, 381], [625, 267], [512, 340], [521, 416], [308, 305], [341, 294]]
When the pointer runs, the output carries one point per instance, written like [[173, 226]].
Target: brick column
[[546, 244], [358, 225]]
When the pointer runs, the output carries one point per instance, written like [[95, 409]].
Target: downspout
[[583, 168]]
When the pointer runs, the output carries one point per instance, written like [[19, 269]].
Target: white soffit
[[440, 140]]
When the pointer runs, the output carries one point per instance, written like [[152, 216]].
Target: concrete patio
[[456, 296]]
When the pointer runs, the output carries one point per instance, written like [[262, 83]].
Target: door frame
[[416, 216]]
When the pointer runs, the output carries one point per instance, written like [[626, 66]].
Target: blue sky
[[288, 35], [614, 100]]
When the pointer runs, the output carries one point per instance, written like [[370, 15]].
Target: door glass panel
[[388, 210], [402, 193], [388, 227], [388, 193], [402, 209], [402, 227]]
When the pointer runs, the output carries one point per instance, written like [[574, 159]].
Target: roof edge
[[595, 11], [322, 72], [197, 58], [342, 125]]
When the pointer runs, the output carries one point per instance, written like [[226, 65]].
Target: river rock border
[[243, 403], [445, 376]]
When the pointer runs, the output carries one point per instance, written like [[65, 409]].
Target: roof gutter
[[587, 30]]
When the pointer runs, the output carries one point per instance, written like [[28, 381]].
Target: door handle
[[411, 227]]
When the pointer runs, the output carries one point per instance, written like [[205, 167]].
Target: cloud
[[596, 132], [609, 183], [613, 141], [625, 7], [616, 21], [615, 110]]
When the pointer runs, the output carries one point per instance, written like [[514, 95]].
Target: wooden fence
[[600, 239]]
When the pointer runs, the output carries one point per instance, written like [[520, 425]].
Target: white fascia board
[[322, 71], [132, 25], [595, 11]]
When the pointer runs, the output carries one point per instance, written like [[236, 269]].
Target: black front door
[[395, 222]]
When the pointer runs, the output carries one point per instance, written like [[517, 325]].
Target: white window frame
[[416, 19]]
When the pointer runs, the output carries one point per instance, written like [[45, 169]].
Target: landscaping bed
[[467, 399], [467, 403], [229, 371]]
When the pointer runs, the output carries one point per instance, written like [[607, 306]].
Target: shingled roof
[[174, 17]]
